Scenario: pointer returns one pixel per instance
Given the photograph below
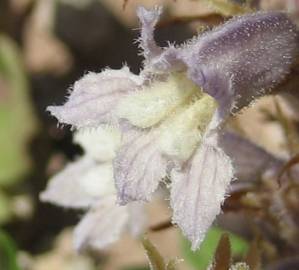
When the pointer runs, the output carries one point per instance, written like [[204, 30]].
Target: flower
[[171, 114], [88, 184]]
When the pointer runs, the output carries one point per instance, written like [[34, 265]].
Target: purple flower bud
[[242, 59]]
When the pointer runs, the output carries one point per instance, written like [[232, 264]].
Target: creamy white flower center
[[179, 109], [155, 102], [183, 132]]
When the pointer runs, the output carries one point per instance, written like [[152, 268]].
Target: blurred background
[[45, 46]]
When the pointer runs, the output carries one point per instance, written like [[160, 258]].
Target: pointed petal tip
[[52, 109], [44, 196], [149, 16], [129, 195], [57, 112], [122, 200], [49, 196], [199, 190], [94, 97], [195, 244]]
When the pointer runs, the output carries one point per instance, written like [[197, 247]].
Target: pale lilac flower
[[170, 115], [88, 184]]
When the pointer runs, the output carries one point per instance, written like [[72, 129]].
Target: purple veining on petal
[[94, 98], [198, 191], [102, 225], [138, 167]]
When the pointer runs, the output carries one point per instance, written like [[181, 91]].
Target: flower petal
[[138, 167], [101, 226], [183, 132], [157, 101], [80, 184], [243, 58], [137, 218], [100, 143], [198, 191], [148, 20], [94, 98], [157, 59]]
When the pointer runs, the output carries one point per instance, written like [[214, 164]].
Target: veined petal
[[242, 59], [100, 143], [80, 184], [157, 59], [94, 98], [198, 191], [151, 105], [138, 167], [102, 225], [183, 132], [148, 20]]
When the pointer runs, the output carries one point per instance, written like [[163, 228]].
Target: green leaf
[[8, 252], [17, 121], [203, 257]]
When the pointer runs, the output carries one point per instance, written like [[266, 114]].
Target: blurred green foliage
[[136, 268], [17, 122], [202, 257], [8, 251], [5, 212]]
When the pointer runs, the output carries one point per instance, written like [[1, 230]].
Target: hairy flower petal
[[154, 103], [100, 143], [80, 184], [184, 131], [101, 226], [137, 218], [243, 58], [138, 167], [148, 20], [94, 98], [198, 191]]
